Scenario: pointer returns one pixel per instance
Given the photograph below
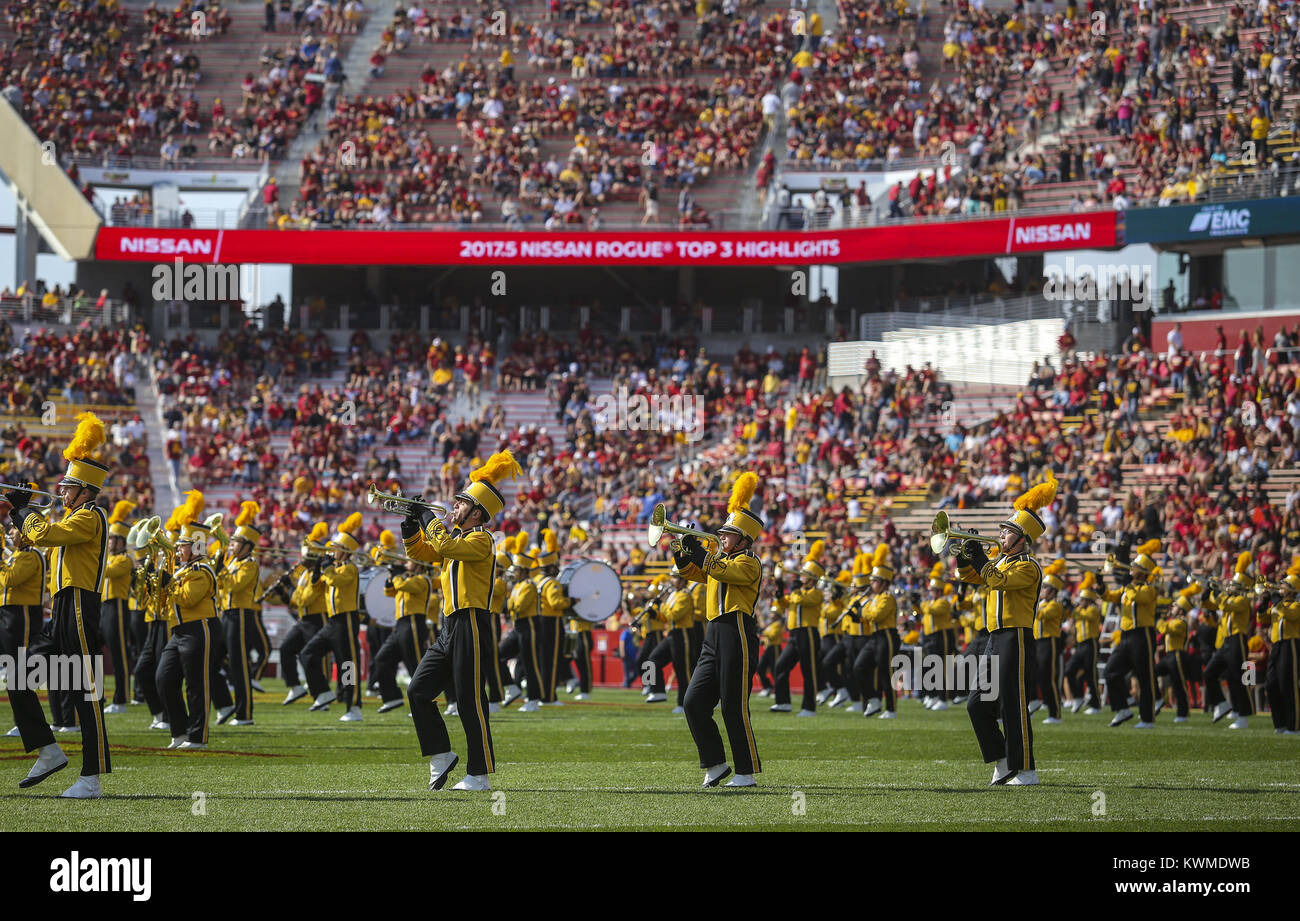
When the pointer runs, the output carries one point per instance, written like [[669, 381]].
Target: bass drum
[[595, 588], [381, 608]]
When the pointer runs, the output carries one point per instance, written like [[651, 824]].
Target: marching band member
[[1012, 585], [725, 670], [833, 633], [147, 597], [679, 613], [1233, 605], [1082, 664], [463, 648], [22, 589], [864, 666], [1176, 664], [771, 636], [974, 628], [258, 641], [521, 644], [495, 676], [1136, 650], [652, 627], [855, 631], [307, 604], [78, 543], [238, 581], [408, 640], [340, 633], [874, 664], [1283, 677], [554, 604], [936, 632], [376, 633], [1047, 644], [803, 608], [114, 619], [189, 598], [582, 655]]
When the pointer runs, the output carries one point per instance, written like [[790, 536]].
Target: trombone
[[398, 504], [5, 487], [660, 525], [942, 534], [388, 556]]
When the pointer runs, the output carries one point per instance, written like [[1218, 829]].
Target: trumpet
[[659, 525], [821, 580], [388, 556], [5, 487], [942, 534], [399, 504]]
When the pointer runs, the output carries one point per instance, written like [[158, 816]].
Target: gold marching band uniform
[[411, 588], [524, 608], [308, 607], [339, 635], [239, 582], [938, 635], [115, 615], [803, 609]]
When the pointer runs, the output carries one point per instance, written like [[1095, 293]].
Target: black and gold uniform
[[464, 647], [803, 610], [725, 670], [307, 604], [409, 585], [652, 626], [22, 589], [1047, 640], [1230, 653], [937, 637], [832, 660], [79, 551], [771, 637], [189, 598], [875, 661], [497, 671], [524, 608], [1175, 664], [555, 605], [147, 598], [678, 612], [1283, 678], [239, 582], [1012, 585], [1136, 650], [340, 634], [581, 653], [114, 616], [1082, 664], [855, 630]]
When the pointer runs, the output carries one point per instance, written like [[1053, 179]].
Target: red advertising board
[[939, 240]]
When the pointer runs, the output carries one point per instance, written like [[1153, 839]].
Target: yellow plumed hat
[[861, 570], [1025, 517], [880, 568], [117, 521], [1086, 589], [387, 539], [345, 537], [1145, 552], [519, 556], [549, 554], [1052, 574], [740, 519], [187, 518], [812, 561], [1241, 576], [482, 490], [82, 469], [244, 527]]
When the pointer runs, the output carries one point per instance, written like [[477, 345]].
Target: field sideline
[[617, 763]]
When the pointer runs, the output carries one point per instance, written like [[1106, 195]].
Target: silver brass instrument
[[660, 525], [7, 487], [821, 580], [942, 534], [399, 504]]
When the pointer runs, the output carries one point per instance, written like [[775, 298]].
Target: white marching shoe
[[855, 707], [581, 696], [452, 710], [241, 722], [1024, 779], [656, 698], [474, 782], [679, 709], [1052, 721], [63, 729], [571, 686], [939, 705], [50, 760], [766, 692], [780, 708], [824, 696], [323, 700], [560, 703], [1238, 723], [257, 686], [530, 706], [1000, 773], [1075, 705], [297, 692], [873, 707], [177, 741], [1221, 710], [84, 788], [391, 704], [1092, 711], [160, 722], [352, 716], [115, 708], [439, 767], [193, 746], [716, 774], [1180, 719], [806, 713], [512, 694], [1143, 724], [1035, 706], [1122, 716], [841, 697], [224, 714], [16, 733], [889, 715], [742, 780], [927, 701], [493, 707]]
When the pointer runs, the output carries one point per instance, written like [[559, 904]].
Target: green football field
[[617, 763]]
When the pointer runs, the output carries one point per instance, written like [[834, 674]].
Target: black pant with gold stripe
[[1226, 665], [652, 677], [1283, 684], [339, 635], [219, 675], [495, 672], [457, 659], [259, 641], [376, 636], [406, 643], [146, 664], [802, 649], [551, 638], [1047, 673], [531, 652], [725, 673], [509, 647], [115, 628], [582, 661], [1008, 651], [19, 627], [940, 644], [864, 668], [766, 663], [1136, 653], [1177, 667], [887, 643], [295, 641], [675, 648], [190, 656], [1081, 667], [240, 625]]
